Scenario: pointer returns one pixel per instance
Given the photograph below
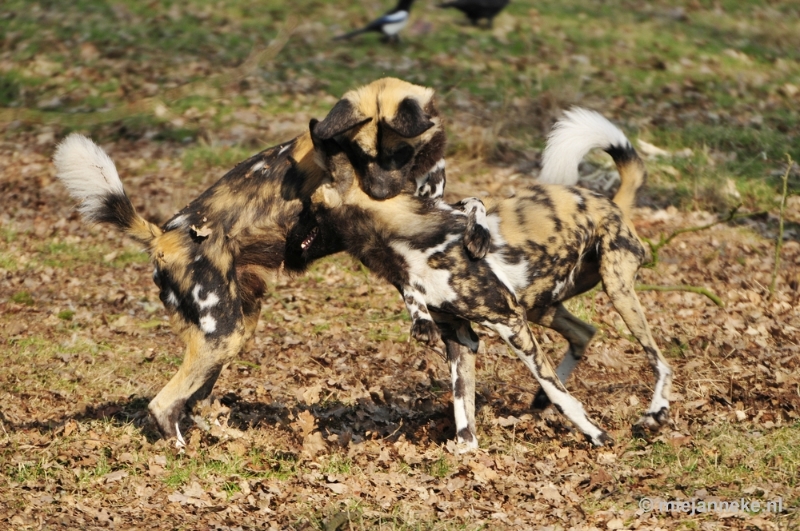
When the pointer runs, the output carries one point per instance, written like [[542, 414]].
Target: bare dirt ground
[[332, 419]]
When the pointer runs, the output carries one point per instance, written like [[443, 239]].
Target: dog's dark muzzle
[[380, 184]]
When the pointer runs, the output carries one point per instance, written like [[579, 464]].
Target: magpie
[[478, 9], [389, 24]]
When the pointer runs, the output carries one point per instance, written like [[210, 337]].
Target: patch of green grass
[[101, 468], [62, 255], [23, 472], [232, 469], [320, 328], [730, 457], [231, 488], [66, 315], [128, 257], [281, 465], [10, 89], [23, 297], [440, 468], [690, 78], [8, 262], [338, 464], [8, 234], [178, 475], [583, 306]]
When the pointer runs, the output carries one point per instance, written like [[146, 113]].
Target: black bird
[[389, 24], [478, 9]]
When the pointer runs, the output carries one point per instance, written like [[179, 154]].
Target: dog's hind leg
[[618, 281], [203, 361], [577, 333], [214, 322], [461, 344], [516, 333]]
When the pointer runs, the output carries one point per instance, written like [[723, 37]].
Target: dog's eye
[[402, 155]]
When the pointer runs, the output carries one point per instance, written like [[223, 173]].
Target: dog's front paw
[[650, 423], [477, 239], [601, 439], [426, 331]]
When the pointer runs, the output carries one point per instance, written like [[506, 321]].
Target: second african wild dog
[[548, 244], [213, 258]]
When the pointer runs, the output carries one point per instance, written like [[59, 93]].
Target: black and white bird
[[478, 9], [390, 23]]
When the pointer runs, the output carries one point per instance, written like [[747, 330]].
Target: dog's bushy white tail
[[91, 177], [88, 173], [572, 137]]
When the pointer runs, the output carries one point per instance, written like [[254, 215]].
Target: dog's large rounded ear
[[410, 120], [343, 117]]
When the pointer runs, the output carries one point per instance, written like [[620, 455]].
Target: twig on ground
[[663, 240], [779, 239], [655, 247], [683, 287]]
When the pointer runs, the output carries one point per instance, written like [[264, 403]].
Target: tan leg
[[224, 323], [202, 364], [618, 270]]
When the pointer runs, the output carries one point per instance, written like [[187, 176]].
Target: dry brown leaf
[[313, 444]]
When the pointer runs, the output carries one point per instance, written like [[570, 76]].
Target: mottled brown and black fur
[[213, 259], [548, 244]]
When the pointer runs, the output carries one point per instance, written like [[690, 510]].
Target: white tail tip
[[87, 172], [572, 137]]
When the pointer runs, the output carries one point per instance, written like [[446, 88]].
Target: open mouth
[[306, 243]]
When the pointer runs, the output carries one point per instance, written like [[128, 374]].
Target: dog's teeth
[[309, 239]]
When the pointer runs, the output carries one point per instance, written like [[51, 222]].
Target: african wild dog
[[213, 258], [548, 244]]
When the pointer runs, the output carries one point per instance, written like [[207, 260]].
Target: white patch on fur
[[210, 300], [578, 198], [513, 276], [423, 184], [208, 324], [572, 137], [435, 281], [438, 190], [659, 400], [559, 288], [493, 223], [88, 173], [177, 222], [417, 305], [172, 300], [257, 166], [459, 408], [284, 148], [473, 204]]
